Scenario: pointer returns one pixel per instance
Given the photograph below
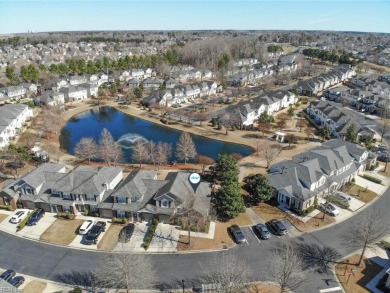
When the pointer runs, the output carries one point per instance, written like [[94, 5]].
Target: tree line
[[156, 153], [331, 56]]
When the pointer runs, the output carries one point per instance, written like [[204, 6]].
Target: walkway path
[[254, 217]]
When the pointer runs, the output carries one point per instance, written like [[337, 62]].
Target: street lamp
[[182, 281]]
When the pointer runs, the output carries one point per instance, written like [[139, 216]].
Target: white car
[[342, 196], [330, 209], [19, 216], [86, 226]]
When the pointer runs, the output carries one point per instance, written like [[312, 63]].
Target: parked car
[[384, 157], [342, 196], [95, 232], [263, 231], [35, 217], [17, 281], [237, 234], [278, 227], [19, 216], [126, 233], [329, 209], [7, 275], [86, 226]]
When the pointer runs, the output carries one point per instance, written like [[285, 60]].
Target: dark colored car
[[17, 281], [263, 231], [95, 232], [35, 217], [126, 233], [278, 227], [238, 236], [7, 275]]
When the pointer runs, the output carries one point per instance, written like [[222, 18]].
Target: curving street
[[50, 262]]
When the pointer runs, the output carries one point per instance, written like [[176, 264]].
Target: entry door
[[287, 201], [136, 217]]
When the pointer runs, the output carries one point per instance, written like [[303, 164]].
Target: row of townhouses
[[317, 172], [253, 76], [12, 120], [185, 73], [181, 93], [338, 118], [246, 112], [17, 92], [316, 85], [363, 100], [106, 192]]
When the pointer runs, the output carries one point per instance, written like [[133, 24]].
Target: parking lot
[[253, 237]]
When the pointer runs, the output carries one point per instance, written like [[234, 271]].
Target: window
[[165, 203], [29, 191], [120, 214], [93, 208], [90, 197], [66, 209], [66, 196], [121, 199]]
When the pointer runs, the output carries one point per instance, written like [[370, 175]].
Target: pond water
[[126, 130]]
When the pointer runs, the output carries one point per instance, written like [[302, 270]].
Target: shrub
[[65, 215], [19, 206], [373, 179], [120, 220], [149, 235], [308, 210], [339, 202], [164, 121], [24, 221], [86, 212], [7, 208]]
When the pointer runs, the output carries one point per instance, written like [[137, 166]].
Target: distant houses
[[246, 112]]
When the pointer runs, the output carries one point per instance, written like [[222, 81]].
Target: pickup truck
[[95, 232]]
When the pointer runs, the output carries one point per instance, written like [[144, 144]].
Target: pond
[[126, 130]]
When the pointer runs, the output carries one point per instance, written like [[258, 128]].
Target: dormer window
[[121, 199], [165, 203]]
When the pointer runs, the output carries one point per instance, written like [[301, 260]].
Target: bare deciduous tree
[[140, 152], [109, 151], [301, 123], [163, 152], [270, 151], [86, 149], [384, 124], [366, 231], [125, 270], [52, 120], [286, 268], [185, 147], [226, 272], [264, 127], [204, 161]]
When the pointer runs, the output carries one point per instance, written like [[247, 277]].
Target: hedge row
[[7, 208], [65, 215], [24, 221], [149, 235], [120, 220], [373, 179], [339, 202]]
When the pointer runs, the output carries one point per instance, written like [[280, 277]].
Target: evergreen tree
[[226, 168], [352, 135], [259, 188], [227, 201]]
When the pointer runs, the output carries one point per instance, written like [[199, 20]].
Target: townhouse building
[[309, 176]]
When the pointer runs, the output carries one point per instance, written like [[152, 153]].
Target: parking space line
[[330, 289], [255, 234]]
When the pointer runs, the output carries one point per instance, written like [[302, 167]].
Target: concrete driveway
[[79, 241], [165, 239], [6, 225], [35, 232], [355, 204]]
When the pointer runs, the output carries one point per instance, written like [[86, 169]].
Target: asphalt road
[[51, 262]]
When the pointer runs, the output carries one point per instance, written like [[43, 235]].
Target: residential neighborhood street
[[55, 263]]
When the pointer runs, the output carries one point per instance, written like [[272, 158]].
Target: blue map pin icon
[[194, 180]]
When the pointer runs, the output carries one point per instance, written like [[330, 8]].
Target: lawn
[[357, 281], [221, 236], [34, 287], [268, 212], [61, 231], [3, 217], [264, 288], [110, 238], [387, 173], [361, 193]]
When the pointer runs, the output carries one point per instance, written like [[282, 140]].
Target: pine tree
[[351, 134], [259, 188], [226, 168], [227, 201]]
